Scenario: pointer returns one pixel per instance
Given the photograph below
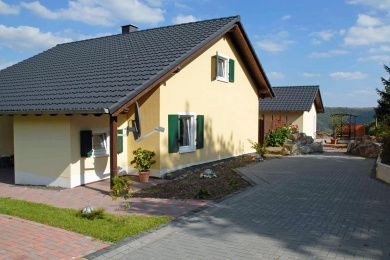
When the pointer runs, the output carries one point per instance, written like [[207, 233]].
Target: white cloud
[[275, 75], [368, 31], [379, 58], [383, 5], [27, 37], [271, 46], [285, 17], [37, 8], [356, 75], [382, 48], [101, 12], [311, 75], [328, 54], [275, 43], [8, 9], [324, 35], [367, 21], [184, 19]]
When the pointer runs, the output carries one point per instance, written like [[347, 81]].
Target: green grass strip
[[111, 228]]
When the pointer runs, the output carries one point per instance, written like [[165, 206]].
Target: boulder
[[317, 147], [364, 148], [303, 139], [290, 148], [293, 137], [306, 149]]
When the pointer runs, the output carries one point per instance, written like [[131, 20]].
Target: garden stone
[[306, 149], [88, 210], [317, 147], [208, 173], [364, 148], [293, 137]]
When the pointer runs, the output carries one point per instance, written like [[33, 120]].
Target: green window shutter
[[173, 133], [86, 143], [216, 66], [120, 141], [199, 132], [231, 70]]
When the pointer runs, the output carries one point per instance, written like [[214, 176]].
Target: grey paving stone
[[313, 207]]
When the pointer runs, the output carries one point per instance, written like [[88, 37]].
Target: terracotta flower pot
[[144, 176]]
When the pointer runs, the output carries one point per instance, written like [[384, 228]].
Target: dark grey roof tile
[[95, 74], [290, 98]]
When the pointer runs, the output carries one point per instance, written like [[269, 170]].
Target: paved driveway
[[314, 207]]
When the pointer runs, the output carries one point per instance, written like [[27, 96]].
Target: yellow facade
[[271, 119], [230, 109], [306, 120], [6, 136], [47, 148], [42, 150]]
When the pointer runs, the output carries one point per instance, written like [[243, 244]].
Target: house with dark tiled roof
[[73, 114], [292, 105]]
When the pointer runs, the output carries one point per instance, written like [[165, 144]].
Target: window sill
[[187, 150], [100, 155], [222, 79]]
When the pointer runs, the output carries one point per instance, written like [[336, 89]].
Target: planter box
[[382, 171]]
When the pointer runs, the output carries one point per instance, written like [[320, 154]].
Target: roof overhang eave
[[56, 112]]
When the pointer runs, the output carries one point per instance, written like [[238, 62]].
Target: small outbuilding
[[292, 105]]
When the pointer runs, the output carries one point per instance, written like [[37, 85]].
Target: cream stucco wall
[[270, 119], [306, 121], [150, 119], [6, 136], [230, 109], [47, 148], [310, 122], [90, 169], [42, 150]]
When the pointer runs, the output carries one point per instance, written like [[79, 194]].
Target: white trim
[[226, 59], [192, 147], [101, 152]]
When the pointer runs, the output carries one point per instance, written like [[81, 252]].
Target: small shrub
[[386, 150], [260, 148], [278, 136], [94, 214], [121, 188], [203, 194], [143, 159]]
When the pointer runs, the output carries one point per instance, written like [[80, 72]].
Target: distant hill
[[365, 116]]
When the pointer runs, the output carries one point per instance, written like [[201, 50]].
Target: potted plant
[[143, 160]]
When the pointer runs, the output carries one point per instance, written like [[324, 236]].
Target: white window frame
[[226, 60], [192, 146], [101, 152]]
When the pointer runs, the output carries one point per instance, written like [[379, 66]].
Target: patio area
[[97, 195]]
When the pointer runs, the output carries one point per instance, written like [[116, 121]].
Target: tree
[[382, 111]]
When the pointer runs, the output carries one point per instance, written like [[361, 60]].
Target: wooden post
[[113, 148]]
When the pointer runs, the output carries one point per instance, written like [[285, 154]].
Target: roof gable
[[293, 99], [100, 75]]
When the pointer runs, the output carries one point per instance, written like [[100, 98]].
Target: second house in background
[[293, 105]]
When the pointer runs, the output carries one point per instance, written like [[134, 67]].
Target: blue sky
[[340, 45]]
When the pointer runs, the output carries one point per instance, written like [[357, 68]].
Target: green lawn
[[110, 228]]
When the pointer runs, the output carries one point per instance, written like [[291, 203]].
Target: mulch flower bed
[[189, 185]]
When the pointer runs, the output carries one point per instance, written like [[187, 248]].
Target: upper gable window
[[224, 68]]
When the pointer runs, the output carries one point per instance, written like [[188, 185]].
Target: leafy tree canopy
[[382, 111]]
